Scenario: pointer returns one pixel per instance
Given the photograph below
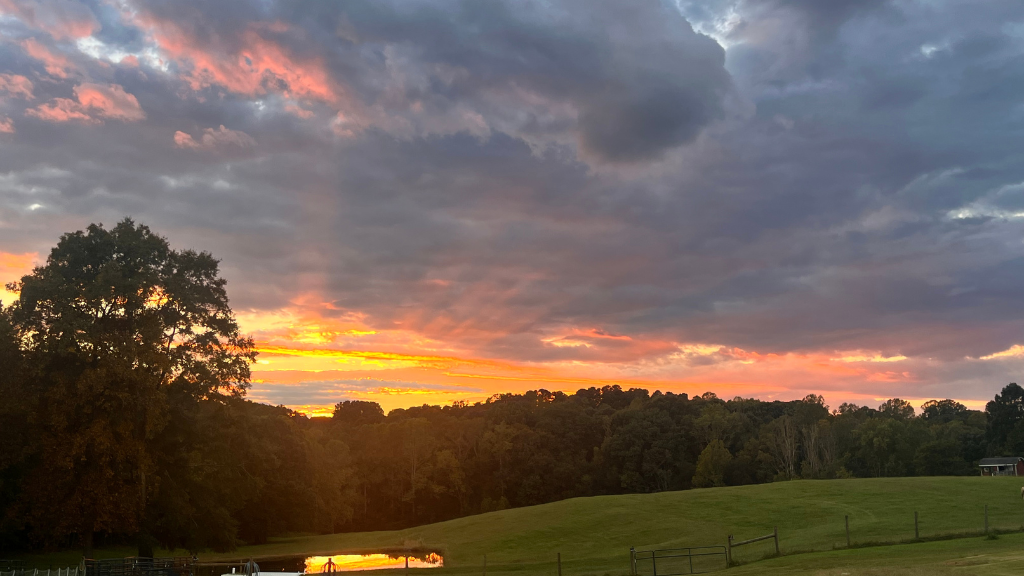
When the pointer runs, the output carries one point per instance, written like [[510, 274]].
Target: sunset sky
[[419, 201]]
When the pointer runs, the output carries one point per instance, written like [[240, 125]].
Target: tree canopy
[[116, 332]]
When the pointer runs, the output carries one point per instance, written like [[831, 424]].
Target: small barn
[[1008, 466]]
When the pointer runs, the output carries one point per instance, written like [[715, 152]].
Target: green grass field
[[593, 535], [963, 557]]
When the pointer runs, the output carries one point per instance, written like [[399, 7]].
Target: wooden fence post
[[776, 532], [847, 530], [917, 534], [728, 551], [632, 561]]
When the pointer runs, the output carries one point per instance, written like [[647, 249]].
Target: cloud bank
[[763, 198]]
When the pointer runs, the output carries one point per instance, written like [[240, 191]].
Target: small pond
[[327, 564], [351, 562]]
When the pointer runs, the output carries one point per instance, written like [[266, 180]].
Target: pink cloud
[[61, 110], [258, 67], [110, 101], [62, 19], [56, 65], [16, 85], [183, 140], [93, 104], [6, 126], [214, 138]]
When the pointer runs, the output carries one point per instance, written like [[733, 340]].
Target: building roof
[[999, 461]]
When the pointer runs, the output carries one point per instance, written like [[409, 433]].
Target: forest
[[123, 420], [231, 471]]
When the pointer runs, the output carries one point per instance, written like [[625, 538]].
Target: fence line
[[680, 559], [76, 571], [730, 544], [942, 531]]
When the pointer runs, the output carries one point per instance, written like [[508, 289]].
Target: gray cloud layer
[[843, 175]]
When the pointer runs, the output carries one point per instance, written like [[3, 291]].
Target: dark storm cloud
[[846, 176], [634, 80]]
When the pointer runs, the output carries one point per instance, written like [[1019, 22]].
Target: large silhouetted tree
[[1006, 421], [115, 328], [14, 424]]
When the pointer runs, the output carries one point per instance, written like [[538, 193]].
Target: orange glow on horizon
[[364, 355], [313, 347], [12, 268]]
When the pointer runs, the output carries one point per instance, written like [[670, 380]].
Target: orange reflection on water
[[352, 562]]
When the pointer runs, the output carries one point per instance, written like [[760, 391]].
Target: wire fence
[[677, 561], [71, 571], [756, 548], [857, 530], [140, 566]]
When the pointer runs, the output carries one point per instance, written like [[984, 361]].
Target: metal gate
[[140, 566], [677, 561]]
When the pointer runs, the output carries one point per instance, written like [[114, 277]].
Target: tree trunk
[[88, 529], [87, 542], [145, 545]]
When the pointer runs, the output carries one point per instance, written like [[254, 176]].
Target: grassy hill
[[594, 534]]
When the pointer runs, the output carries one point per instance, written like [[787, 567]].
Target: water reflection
[[353, 562], [317, 565]]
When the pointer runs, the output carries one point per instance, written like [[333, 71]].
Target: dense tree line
[[234, 471], [122, 415]]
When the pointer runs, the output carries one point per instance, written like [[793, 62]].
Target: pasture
[[594, 535]]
